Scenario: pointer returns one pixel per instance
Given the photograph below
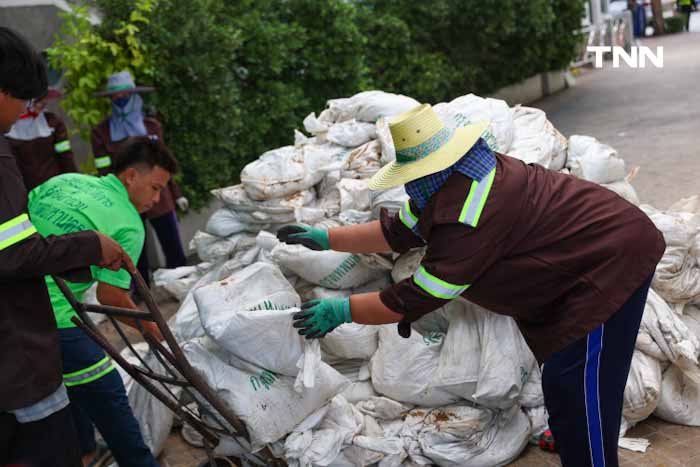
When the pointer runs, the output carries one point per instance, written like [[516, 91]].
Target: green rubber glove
[[319, 317], [315, 239]]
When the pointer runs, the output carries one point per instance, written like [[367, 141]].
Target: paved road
[[651, 116]]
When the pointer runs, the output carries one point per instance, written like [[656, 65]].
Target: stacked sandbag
[[464, 388]]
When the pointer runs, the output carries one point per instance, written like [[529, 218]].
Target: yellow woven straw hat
[[424, 145]]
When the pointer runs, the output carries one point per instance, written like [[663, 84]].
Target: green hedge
[[235, 78]]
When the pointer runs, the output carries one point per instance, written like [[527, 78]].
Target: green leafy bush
[[235, 77]]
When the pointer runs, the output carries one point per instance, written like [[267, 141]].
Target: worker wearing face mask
[[109, 137], [39, 141]]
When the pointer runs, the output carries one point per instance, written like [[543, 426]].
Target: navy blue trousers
[[584, 385], [103, 404], [168, 232]]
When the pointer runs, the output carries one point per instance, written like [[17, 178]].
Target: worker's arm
[[368, 308], [26, 254], [114, 296], [319, 317], [103, 159], [395, 232], [62, 147]]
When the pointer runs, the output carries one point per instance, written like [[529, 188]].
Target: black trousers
[[584, 385], [50, 442]]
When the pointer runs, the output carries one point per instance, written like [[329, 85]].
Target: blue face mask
[[121, 102]]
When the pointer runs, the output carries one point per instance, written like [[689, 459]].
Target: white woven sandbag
[[249, 314], [351, 133], [405, 369], [594, 161], [266, 403], [370, 106], [354, 194], [680, 398], [392, 200], [643, 387], [677, 277], [458, 435], [330, 269], [536, 140], [235, 198], [155, 418], [472, 109], [672, 337], [363, 161], [288, 170]]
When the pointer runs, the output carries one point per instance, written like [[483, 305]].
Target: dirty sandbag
[[351, 340], [351, 133], [288, 170], [459, 435], [359, 391], [330, 269], [392, 200], [383, 408], [531, 395], [624, 187], [679, 401], [266, 402], [362, 162], [670, 334], [472, 109], [185, 323], [226, 222], [677, 277], [506, 361], [213, 249], [539, 421], [537, 141], [460, 356], [178, 282], [155, 418], [407, 264], [405, 369], [354, 194], [249, 314], [594, 161], [484, 355], [370, 106], [235, 198], [313, 125], [386, 142], [643, 387]]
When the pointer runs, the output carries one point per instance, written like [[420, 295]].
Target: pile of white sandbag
[[464, 388]]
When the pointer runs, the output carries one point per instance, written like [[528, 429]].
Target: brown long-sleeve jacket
[[30, 367], [43, 158]]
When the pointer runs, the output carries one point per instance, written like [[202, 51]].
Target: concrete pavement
[[651, 116]]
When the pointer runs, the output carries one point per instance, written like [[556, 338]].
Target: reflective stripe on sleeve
[[407, 217], [15, 230], [474, 205], [436, 286], [63, 146], [103, 162]]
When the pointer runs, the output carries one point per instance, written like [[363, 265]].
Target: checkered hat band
[[425, 148]]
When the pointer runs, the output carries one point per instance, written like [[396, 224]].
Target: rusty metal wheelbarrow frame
[[178, 371]]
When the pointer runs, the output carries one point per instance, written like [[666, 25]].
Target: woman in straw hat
[[569, 260], [109, 138], [39, 140]]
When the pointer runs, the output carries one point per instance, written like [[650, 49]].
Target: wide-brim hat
[[122, 82], [424, 146]]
